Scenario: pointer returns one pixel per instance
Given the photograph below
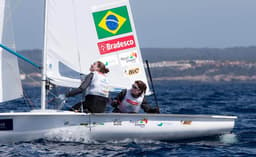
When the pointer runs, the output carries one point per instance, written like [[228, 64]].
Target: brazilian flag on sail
[[112, 22]]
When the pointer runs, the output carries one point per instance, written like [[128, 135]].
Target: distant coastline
[[202, 64], [180, 64], [220, 54]]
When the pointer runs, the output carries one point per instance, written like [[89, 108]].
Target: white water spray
[[229, 138], [69, 134]]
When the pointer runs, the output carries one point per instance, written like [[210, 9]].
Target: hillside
[[33, 55], [174, 54], [198, 64]]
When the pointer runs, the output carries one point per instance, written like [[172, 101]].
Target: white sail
[[10, 83], [79, 32]]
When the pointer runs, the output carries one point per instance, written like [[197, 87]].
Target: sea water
[[235, 98]]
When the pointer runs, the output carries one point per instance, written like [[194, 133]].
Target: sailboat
[[76, 33]]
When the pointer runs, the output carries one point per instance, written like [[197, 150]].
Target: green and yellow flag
[[112, 22]]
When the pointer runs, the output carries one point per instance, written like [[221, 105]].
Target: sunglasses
[[135, 86]]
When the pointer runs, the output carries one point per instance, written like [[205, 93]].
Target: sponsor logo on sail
[[109, 60], [128, 58], [114, 45], [132, 71], [112, 22]]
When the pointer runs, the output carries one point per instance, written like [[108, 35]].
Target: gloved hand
[[61, 99], [115, 103]]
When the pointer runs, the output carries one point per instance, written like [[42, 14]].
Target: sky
[[163, 23]]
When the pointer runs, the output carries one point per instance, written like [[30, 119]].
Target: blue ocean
[[178, 97]]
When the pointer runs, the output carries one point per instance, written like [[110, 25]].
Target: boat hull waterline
[[71, 126]]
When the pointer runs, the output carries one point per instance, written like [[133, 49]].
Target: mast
[[44, 66]]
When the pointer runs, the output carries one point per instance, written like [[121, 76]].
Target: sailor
[[132, 100], [96, 87]]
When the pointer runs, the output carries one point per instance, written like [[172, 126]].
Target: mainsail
[[79, 32], [10, 83]]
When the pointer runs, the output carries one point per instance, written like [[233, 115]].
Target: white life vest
[[99, 85], [130, 104]]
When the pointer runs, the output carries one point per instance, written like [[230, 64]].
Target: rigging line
[[151, 82], [29, 76], [25, 97], [28, 100], [20, 56], [11, 48], [37, 82]]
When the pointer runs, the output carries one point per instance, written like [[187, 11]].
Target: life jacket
[[130, 104], [99, 85]]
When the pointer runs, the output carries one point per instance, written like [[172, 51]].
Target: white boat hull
[[66, 125]]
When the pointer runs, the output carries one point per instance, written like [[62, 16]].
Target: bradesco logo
[[112, 22], [116, 44]]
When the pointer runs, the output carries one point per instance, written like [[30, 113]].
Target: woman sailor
[[97, 90], [132, 100]]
